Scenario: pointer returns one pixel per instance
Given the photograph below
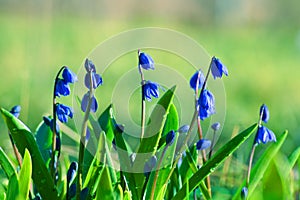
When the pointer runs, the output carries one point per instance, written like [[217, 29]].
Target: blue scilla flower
[[244, 193], [50, 122], [170, 137], [203, 144], [217, 68], [69, 76], [16, 111], [149, 165], [145, 61], [84, 102], [71, 174], [264, 113], [62, 88], [264, 135], [63, 112], [216, 126], [197, 76], [96, 78], [150, 89], [206, 104], [184, 129]]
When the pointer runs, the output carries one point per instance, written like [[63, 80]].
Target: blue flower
[[264, 135], [50, 122], [69, 76], [216, 126], [145, 61], [206, 104], [85, 100], [217, 68], [244, 193], [96, 80], [201, 79], [62, 88], [71, 174], [149, 165], [183, 129], [89, 66], [203, 144], [16, 111], [63, 112], [170, 137], [150, 89], [264, 113]]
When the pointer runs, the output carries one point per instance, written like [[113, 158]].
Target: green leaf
[[261, 166], [105, 189], [215, 161], [293, 158], [24, 139], [43, 137], [13, 188], [6, 164], [25, 176], [106, 122], [151, 138]]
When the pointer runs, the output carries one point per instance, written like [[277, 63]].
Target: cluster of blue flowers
[[264, 134], [96, 80], [206, 101], [62, 88], [149, 88]]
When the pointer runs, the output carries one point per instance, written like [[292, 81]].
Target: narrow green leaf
[[25, 176], [293, 158], [43, 137], [261, 166], [24, 139], [6, 164], [13, 188], [215, 161]]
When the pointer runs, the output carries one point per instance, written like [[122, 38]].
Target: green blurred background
[[259, 42]]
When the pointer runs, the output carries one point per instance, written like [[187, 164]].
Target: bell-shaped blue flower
[[63, 112], [72, 191], [62, 88], [150, 89], [184, 129], [85, 100], [89, 66], [203, 144], [149, 165], [170, 137], [206, 104], [216, 126], [145, 61], [217, 68], [96, 80], [264, 135], [71, 174], [197, 76], [69, 76], [244, 193], [16, 111], [50, 122], [264, 113]]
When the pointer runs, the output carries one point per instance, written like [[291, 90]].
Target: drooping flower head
[[149, 165], [216, 126], [62, 88], [264, 113], [184, 129], [63, 112], [198, 76], [203, 144], [50, 122], [206, 104], [170, 137], [217, 68], [244, 193], [16, 111], [150, 89], [71, 174], [69, 76], [96, 78], [84, 102], [145, 61], [264, 135]]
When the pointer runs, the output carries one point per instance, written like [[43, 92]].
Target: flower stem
[[156, 172], [250, 165], [16, 152], [52, 163], [212, 145], [83, 139]]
